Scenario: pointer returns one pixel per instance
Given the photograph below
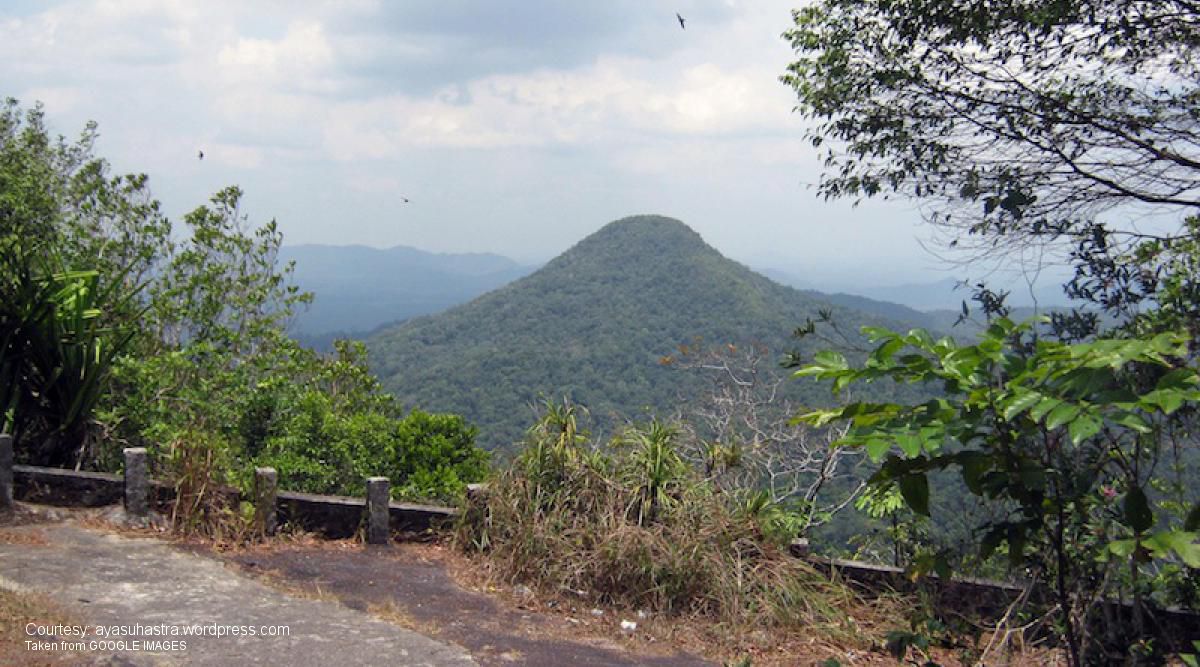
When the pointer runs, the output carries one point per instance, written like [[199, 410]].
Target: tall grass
[[631, 525], [197, 463]]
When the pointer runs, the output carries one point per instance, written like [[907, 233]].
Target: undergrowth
[[629, 524]]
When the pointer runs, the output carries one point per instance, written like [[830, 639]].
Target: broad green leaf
[[1021, 403], [1138, 514], [877, 447], [1133, 422], [1122, 548], [909, 444], [919, 338], [915, 489], [1045, 406], [973, 469], [1192, 523], [1083, 427], [1180, 378], [831, 360], [883, 354], [1061, 414], [876, 334], [1169, 400], [1181, 543], [819, 417]]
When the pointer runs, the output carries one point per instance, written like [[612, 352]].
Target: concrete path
[[158, 593]]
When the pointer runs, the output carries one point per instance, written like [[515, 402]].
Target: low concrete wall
[[58, 486], [984, 598], [341, 516], [331, 516]]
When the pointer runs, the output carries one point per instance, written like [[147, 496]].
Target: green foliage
[[219, 360], [1042, 429], [115, 332], [66, 298], [318, 449], [1020, 124], [652, 468]]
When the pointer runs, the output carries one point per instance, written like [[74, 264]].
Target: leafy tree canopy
[[1018, 122], [115, 331]]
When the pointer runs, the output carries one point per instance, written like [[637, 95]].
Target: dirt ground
[[436, 591], [412, 584]]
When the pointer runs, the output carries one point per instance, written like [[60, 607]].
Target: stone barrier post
[[6, 472], [266, 483], [378, 516], [137, 482]]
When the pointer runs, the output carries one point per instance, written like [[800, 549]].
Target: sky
[[515, 128]]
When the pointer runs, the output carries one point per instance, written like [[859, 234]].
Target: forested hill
[[593, 325]]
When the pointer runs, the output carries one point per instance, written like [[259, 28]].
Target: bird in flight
[[681, 21], [201, 155]]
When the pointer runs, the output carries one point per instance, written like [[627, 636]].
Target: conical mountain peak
[[591, 325]]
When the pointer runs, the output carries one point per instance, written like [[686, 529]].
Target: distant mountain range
[[593, 324], [359, 288], [946, 294]]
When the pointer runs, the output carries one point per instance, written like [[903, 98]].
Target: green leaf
[[1134, 422], [1180, 378], [1021, 403], [1169, 400], [1083, 427], [1138, 514], [1045, 406], [1181, 543], [831, 360], [1192, 523], [883, 353], [909, 444], [876, 334], [1061, 414], [1122, 548], [914, 487], [877, 447], [991, 541], [919, 338], [974, 465]]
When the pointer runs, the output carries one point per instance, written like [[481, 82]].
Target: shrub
[[628, 525]]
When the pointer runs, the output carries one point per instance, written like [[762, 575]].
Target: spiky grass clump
[[630, 525]]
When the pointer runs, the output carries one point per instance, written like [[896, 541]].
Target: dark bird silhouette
[[404, 199], [201, 155], [681, 21]]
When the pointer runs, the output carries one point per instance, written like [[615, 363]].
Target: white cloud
[[301, 60], [614, 100], [323, 109]]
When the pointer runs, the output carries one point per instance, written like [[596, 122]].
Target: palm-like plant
[[653, 470], [58, 356], [555, 445]]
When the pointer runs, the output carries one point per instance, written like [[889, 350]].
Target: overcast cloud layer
[[516, 128]]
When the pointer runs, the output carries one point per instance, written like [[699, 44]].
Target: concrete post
[[266, 482], [137, 482], [799, 547], [6, 472], [378, 516], [477, 494]]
